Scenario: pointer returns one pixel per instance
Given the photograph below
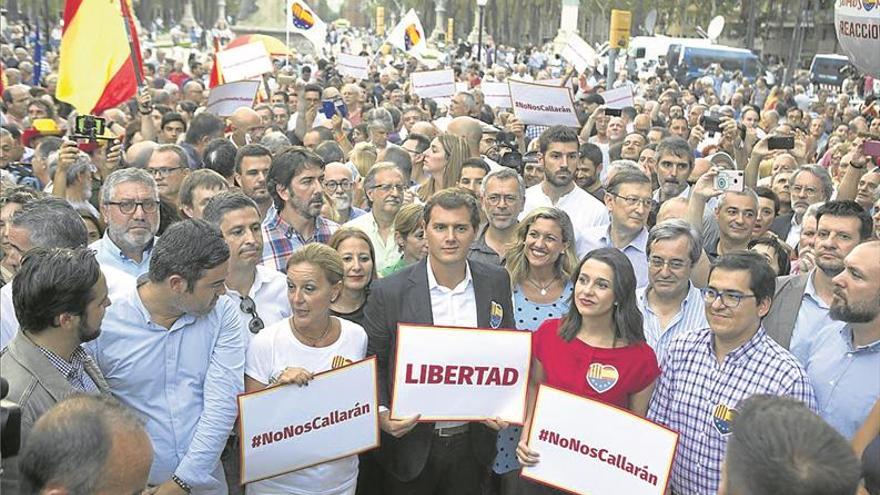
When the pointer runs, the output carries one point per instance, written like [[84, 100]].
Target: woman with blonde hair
[[409, 234], [540, 260], [443, 160], [363, 157]]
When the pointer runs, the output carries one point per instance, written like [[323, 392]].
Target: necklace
[[541, 288], [314, 341]]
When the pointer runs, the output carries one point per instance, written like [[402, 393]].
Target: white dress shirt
[[269, 292]]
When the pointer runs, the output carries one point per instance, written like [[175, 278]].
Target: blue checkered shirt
[[74, 371], [693, 384], [280, 239]]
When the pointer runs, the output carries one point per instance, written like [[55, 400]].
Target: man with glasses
[[675, 161], [671, 304], [384, 188], [415, 144], [708, 372], [502, 197], [809, 184], [339, 187], [628, 199], [130, 207], [168, 166]]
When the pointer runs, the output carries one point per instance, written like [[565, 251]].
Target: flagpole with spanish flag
[[100, 65]]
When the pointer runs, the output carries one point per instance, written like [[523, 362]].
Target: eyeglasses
[[659, 263], [248, 306], [633, 201], [162, 171], [495, 199], [728, 299], [332, 185], [386, 188], [128, 207]]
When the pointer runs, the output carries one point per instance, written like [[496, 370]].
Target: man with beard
[[559, 156], [171, 349], [800, 313], [589, 170], [130, 206], [295, 184], [675, 161], [844, 366], [252, 164], [384, 186], [503, 192], [339, 186], [60, 298]]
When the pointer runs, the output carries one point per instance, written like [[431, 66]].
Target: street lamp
[[482, 5]]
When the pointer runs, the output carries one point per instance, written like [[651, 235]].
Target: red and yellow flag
[[95, 70]]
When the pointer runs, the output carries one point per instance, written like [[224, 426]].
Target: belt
[[451, 432]]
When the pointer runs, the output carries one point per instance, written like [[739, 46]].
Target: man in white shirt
[[559, 157]]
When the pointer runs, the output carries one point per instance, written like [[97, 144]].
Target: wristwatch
[[182, 484]]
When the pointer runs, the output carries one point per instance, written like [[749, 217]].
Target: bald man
[[470, 129], [139, 154], [247, 127], [426, 129], [194, 91]]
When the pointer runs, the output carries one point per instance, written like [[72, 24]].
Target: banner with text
[[497, 94], [589, 447], [352, 65], [244, 62], [621, 97], [434, 83], [538, 104], [227, 98], [286, 428], [461, 374]]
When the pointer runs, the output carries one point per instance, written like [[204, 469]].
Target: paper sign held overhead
[[352, 65], [621, 97], [579, 53], [226, 98], [434, 83], [460, 374], [537, 104], [244, 62], [497, 94], [589, 447], [287, 428]]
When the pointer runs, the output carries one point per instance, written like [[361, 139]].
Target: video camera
[[508, 151], [10, 423]]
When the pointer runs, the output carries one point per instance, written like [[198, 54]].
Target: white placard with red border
[[434, 83], [461, 374], [287, 428], [539, 104], [353, 65], [227, 98], [244, 62], [621, 97], [589, 447]]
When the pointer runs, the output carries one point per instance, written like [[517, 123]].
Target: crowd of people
[[151, 277]]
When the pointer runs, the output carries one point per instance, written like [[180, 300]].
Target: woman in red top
[[598, 349]]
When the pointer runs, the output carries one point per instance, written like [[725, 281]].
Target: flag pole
[[287, 15], [126, 20]]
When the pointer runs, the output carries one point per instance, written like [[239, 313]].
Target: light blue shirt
[[812, 320], [183, 382], [636, 250], [691, 316], [846, 379], [108, 254]]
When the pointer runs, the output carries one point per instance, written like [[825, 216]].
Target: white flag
[[408, 35], [303, 20]]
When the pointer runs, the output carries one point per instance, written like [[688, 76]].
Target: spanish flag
[[95, 70]]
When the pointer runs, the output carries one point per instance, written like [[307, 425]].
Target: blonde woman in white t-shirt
[[295, 349]]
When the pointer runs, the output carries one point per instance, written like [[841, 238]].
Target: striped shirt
[[73, 371], [280, 239], [697, 397], [691, 316]]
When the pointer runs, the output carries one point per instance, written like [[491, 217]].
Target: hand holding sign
[[397, 427]]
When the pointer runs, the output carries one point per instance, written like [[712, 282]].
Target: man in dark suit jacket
[[423, 457]]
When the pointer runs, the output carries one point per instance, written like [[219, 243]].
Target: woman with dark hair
[[598, 349], [358, 260]]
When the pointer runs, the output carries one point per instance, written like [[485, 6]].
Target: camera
[[89, 127], [730, 180], [711, 124], [508, 151], [780, 143], [10, 423]]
